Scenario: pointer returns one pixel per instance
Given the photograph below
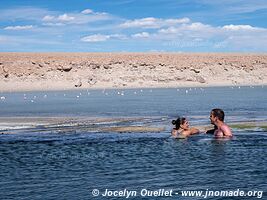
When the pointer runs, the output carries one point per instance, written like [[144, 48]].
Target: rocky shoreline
[[62, 71]]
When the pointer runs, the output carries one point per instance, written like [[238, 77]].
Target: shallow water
[[49, 165], [246, 102]]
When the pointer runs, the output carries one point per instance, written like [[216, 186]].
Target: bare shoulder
[[226, 130], [186, 133]]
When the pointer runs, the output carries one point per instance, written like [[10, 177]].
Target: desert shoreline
[[69, 71]]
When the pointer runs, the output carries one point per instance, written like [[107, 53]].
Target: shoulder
[[226, 130], [191, 131], [225, 127], [186, 133]]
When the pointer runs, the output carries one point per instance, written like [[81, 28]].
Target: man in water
[[217, 119]]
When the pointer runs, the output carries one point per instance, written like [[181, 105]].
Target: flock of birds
[[120, 93]]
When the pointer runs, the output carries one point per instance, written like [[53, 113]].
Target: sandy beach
[[64, 71]]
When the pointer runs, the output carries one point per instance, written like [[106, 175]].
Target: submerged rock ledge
[[66, 125]]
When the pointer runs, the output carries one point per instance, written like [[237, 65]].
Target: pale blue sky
[[133, 26]]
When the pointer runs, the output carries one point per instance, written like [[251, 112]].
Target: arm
[[191, 131], [194, 131]]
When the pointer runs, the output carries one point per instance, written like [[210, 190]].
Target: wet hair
[[217, 112], [178, 122]]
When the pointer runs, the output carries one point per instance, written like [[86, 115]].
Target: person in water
[[217, 119], [211, 131], [182, 128]]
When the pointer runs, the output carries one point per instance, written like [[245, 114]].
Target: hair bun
[[174, 122]]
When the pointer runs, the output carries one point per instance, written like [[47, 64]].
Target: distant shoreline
[[70, 71], [13, 90]]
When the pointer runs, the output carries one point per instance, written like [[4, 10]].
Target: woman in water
[[182, 129]]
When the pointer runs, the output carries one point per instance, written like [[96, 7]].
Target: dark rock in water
[[78, 84], [200, 79]]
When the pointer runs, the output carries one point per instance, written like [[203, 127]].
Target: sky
[[133, 26]]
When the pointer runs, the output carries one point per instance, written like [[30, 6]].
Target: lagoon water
[[48, 165]]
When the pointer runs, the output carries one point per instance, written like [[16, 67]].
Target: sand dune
[[60, 71]]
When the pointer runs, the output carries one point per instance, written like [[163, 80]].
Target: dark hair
[[218, 113], [178, 122]]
